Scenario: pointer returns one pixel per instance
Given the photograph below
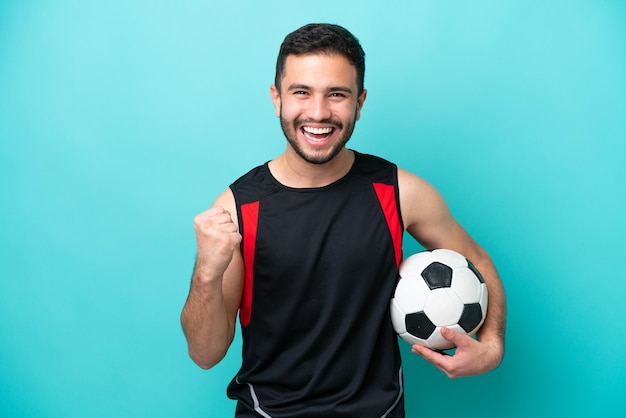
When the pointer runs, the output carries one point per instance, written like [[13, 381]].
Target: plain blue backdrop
[[121, 120]]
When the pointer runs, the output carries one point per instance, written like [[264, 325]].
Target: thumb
[[453, 337], [456, 338]]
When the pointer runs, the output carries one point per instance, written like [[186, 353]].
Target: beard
[[319, 157]]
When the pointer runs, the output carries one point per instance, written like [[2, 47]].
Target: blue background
[[121, 120]]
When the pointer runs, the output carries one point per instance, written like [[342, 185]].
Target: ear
[[275, 94], [359, 103]]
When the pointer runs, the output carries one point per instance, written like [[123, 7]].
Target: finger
[[448, 334], [219, 210], [430, 355], [218, 229], [212, 212], [459, 340], [208, 219], [438, 360], [222, 218]]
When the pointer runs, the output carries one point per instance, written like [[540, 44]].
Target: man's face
[[318, 104]]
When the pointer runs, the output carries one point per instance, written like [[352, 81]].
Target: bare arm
[[428, 219], [209, 315]]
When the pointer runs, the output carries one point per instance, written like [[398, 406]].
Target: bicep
[[428, 219]]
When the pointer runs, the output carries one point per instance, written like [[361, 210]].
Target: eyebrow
[[296, 86]]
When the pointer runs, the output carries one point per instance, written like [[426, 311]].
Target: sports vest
[[320, 268]]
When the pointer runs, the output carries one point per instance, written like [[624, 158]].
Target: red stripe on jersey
[[387, 198], [250, 222]]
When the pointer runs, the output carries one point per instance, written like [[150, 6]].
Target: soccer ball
[[438, 288]]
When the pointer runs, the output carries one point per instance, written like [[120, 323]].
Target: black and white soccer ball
[[438, 288]]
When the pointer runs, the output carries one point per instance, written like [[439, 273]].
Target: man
[[306, 249]]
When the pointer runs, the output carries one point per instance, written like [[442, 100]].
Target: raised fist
[[217, 237]]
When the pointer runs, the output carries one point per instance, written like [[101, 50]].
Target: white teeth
[[317, 131]]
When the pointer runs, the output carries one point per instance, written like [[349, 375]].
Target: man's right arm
[[209, 315]]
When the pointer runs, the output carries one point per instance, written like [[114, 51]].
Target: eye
[[337, 95]]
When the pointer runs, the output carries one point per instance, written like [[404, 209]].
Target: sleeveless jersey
[[320, 268]]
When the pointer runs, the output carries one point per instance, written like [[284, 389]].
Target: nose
[[318, 108]]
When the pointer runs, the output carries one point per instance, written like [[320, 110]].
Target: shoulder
[[412, 183], [374, 168], [364, 161], [256, 174], [414, 187], [253, 185]]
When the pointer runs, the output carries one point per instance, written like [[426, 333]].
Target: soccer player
[[306, 249]]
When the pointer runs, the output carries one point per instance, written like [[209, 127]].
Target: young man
[[306, 248]]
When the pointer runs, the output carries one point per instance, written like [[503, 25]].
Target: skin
[[318, 104]]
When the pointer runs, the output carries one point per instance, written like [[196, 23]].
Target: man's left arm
[[427, 218]]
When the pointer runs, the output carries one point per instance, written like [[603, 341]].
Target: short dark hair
[[322, 38]]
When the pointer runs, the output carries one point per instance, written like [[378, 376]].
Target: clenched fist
[[217, 237]]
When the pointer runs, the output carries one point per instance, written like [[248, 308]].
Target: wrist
[[495, 344], [204, 273]]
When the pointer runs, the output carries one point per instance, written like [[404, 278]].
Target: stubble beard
[[290, 130]]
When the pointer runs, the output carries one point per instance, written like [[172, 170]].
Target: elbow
[[203, 365], [205, 361], [201, 362]]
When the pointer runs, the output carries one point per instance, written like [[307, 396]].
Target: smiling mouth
[[317, 134]]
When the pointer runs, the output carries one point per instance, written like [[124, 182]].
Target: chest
[[319, 229]]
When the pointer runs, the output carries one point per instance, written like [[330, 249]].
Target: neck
[[292, 171]]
